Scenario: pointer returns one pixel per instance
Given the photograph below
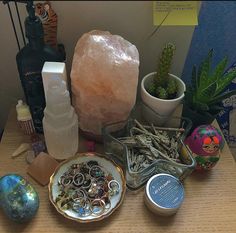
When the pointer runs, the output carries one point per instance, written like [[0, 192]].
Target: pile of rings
[[87, 189]]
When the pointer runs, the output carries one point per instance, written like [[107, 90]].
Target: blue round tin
[[164, 194]]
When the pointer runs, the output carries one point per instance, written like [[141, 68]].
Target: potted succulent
[[160, 90], [204, 95]]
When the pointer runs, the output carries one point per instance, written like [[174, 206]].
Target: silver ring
[[66, 180], [79, 181], [81, 202], [114, 187], [80, 193], [108, 204], [88, 185], [87, 209], [93, 190], [93, 167], [101, 203]]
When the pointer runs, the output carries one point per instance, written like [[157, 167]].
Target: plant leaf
[[205, 68], [219, 70], [225, 81], [188, 96], [199, 106], [216, 107], [207, 93], [223, 96], [194, 78]]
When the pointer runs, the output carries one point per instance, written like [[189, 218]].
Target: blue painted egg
[[18, 199]]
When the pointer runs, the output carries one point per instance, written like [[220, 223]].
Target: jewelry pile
[[87, 189], [148, 143]]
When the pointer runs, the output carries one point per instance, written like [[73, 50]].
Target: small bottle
[[30, 60], [60, 123], [24, 118]]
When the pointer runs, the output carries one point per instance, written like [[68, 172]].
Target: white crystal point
[[60, 123], [58, 98], [104, 79]]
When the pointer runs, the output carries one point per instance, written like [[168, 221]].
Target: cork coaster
[[42, 168]]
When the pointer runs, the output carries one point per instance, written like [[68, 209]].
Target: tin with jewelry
[[141, 164]]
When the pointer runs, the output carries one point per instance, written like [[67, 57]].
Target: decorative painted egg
[[205, 142], [18, 198]]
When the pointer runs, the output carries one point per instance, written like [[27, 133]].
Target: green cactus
[[171, 87], [164, 65], [152, 89], [163, 86], [161, 93]]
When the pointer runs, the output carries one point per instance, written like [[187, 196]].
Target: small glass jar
[[118, 151]]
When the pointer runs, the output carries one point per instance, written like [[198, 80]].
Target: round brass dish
[[109, 165]]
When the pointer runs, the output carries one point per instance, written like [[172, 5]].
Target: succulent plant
[[163, 86], [207, 89]]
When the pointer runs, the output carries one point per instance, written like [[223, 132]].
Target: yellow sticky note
[[175, 13]]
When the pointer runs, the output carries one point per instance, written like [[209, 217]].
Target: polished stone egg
[[18, 199]]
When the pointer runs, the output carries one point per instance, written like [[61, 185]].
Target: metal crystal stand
[[19, 19]]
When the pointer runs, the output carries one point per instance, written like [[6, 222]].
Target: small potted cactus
[[160, 90]]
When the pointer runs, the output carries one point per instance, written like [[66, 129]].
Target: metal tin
[[164, 194]]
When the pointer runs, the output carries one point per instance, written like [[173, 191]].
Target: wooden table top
[[209, 205]]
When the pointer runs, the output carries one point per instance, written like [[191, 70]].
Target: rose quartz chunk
[[104, 79]]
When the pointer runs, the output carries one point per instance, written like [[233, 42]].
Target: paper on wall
[[175, 13]]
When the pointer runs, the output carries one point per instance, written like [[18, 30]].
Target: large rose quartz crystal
[[104, 79]]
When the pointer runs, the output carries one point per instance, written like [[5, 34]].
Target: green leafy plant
[[163, 86], [207, 89]]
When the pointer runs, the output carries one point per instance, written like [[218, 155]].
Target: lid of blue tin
[[165, 193]]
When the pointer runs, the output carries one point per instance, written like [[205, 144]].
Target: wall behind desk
[[130, 19]]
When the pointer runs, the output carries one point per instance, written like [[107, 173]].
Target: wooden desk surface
[[209, 206]]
